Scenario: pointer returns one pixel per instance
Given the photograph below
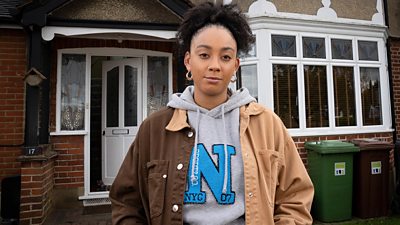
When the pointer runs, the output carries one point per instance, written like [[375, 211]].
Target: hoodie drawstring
[[225, 151], [195, 167]]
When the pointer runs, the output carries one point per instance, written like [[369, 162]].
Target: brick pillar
[[37, 183], [395, 59]]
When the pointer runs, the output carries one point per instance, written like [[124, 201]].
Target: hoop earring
[[233, 78], [189, 76]]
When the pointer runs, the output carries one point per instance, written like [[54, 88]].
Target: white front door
[[122, 112]]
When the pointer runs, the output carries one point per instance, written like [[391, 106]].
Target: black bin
[[10, 199]]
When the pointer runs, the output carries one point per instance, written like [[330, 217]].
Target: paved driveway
[[77, 217]]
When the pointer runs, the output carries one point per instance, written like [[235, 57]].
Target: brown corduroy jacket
[[150, 186]]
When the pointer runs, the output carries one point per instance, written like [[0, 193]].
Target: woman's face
[[212, 61]]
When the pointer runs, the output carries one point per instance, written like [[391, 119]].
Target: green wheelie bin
[[330, 165]]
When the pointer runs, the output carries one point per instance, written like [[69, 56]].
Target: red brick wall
[[69, 169], [395, 59], [37, 182], [13, 60]]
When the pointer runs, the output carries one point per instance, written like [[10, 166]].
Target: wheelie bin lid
[[331, 147], [372, 144]]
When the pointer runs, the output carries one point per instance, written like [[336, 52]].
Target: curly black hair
[[205, 14]]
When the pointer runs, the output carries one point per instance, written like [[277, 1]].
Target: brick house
[[321, 65]]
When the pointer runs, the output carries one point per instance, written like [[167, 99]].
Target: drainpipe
[[37, 97], [32, 94]]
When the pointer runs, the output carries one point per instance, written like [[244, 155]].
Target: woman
[[213, 156]]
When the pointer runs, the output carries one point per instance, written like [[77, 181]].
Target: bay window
[[321, 83]]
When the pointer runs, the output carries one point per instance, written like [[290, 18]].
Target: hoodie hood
[[186, 101]]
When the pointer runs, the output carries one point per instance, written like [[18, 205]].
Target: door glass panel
[[286, 94], [131, 96], [313, 47], [73, 91], [345, 106], [316, 94], [371, 96], [283, 46], [112, 97], [157, 83], [368, 50], [342, 49], [247, 77]]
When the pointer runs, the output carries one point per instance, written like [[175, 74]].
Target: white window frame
[[264, 27]]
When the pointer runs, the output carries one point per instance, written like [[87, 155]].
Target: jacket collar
[[178, 121], [252, 109], [179, 118]]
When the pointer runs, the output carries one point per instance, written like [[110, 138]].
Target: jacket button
[[175, 208], [251, 194], [164, 176], [190, 134], [179, 166]]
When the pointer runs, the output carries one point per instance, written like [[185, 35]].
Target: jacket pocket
[[157, 181], [270, 168]]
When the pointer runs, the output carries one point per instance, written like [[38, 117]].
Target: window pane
[[112, 97], [73, 91], [316, 96], [247, 77], [371, 96], [345, 109], [286, 94], [342, 49], [157, 83], [252, 52], [313, 47], [368, 50], [283, 45], [131, 84]]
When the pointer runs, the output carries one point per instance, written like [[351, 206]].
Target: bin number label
[[340, 169], [376, 167]]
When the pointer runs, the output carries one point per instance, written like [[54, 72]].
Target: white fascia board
[[318, 26], [48, 32]]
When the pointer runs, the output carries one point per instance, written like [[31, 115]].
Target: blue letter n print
[[212, 174]]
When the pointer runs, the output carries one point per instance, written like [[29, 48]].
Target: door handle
[[104, 132]]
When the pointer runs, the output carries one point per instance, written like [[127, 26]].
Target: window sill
[[64, 133], [343, 131]]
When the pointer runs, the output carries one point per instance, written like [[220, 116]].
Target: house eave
[[49, 32], [110, 24]]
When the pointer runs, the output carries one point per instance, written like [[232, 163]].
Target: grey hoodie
[[215, 188]]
